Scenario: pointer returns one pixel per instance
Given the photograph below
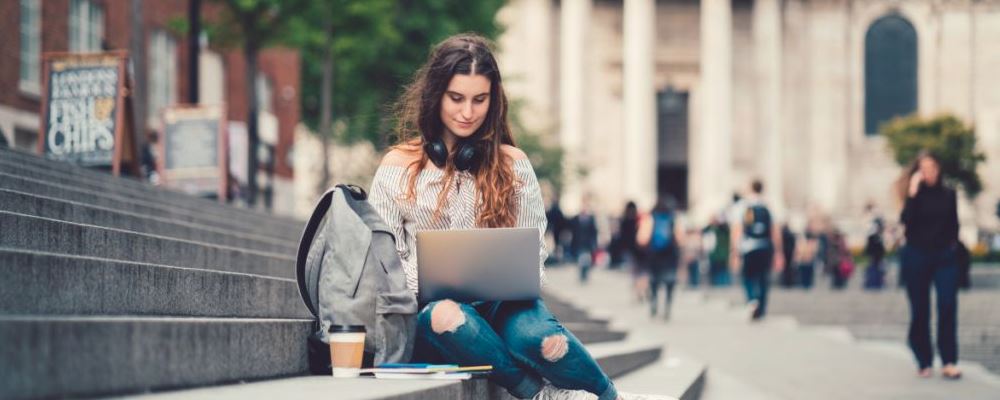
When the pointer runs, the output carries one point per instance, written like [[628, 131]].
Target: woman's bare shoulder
[[401, 156], [513, 152]]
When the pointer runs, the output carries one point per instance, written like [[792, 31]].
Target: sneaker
[[550, 392], [752, 308], [637, 396]]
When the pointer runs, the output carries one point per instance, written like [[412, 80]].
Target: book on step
[[426, 371]]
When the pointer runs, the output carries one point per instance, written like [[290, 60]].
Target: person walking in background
[[717, 243], [756, 244], [584, 238], [840, 259], [787, 277], [808, 250], [930, 214], [875, 250], [661, 237], [556, 224], [691, 257], [627, 231], [623, 238]]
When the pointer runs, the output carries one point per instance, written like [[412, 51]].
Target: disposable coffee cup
[[347, 347]]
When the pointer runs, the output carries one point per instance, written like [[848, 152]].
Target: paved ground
[[773, 359]]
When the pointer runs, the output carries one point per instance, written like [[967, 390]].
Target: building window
[[890, 71], [31, 35], [86, 26], [162, 74]]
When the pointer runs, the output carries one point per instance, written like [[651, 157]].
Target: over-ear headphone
[[468, 153]]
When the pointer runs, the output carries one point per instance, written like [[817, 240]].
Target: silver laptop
[[478, 264]]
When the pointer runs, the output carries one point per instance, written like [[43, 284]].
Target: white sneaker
[[550, 392], [637, 396]]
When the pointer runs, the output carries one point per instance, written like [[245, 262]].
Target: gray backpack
[[351, 274]]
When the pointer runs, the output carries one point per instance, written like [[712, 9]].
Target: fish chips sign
[[84, 111]]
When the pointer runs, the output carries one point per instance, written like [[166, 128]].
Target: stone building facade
[[695, 98]]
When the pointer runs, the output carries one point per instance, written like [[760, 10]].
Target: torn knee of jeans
[[554, 347], [446, 316]]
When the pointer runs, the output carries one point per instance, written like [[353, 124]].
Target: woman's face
[[465, 104], [930, 170]]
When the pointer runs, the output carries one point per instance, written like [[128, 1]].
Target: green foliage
[[946, 137], [378, 45]]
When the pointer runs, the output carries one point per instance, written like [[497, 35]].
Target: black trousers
[[923, 267]]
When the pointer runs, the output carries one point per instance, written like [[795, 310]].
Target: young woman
[[456, 167], [930, 214]]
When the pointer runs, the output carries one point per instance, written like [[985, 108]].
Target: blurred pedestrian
[[661, 237], [930, 213], [875, 251], [584, 241], [622, 244], [788, 278], [716, 239], [756, 242], [628, 228], [840, 259], [809, 257], [691, 256], [557, 223]]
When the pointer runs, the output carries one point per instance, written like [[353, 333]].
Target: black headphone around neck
[[467, 153]]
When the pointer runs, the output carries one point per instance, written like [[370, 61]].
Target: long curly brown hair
[[418, 120]]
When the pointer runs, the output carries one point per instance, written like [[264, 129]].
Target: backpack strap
[[305, 243]]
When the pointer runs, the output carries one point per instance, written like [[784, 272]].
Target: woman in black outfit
[[931, 217]]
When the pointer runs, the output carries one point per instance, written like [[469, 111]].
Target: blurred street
[[776, 358]]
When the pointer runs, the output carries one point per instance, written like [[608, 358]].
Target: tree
[[947, 138], [378, 45], [259, 22]]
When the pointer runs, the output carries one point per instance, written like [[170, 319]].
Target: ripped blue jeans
[[522, 340]]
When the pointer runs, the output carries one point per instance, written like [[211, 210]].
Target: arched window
[[890, 71]]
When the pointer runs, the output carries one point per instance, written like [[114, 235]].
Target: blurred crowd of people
[[706, 256]]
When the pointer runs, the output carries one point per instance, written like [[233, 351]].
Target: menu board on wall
[[194, 150], [84, 115]]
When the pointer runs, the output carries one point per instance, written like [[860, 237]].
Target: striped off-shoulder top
[[406, 217]]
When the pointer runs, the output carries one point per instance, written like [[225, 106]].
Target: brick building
[[95, 25]]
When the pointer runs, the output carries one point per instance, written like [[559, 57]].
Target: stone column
[[714, 168], [527, 56], [574, 16], [767, 51], [640, 102]]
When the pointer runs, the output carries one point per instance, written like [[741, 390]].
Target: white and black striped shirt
[[406, 217]]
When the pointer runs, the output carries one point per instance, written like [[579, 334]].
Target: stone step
[[27, 232], [602, 335], [37, 283], [676, 375], [69, 192], [71, 211], [58, 172], [617, 359], [74, 356]]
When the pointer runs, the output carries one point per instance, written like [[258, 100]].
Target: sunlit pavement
[[772, 359]]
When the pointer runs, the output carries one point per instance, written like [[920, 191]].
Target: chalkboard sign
[[194, 150], [84, 110]]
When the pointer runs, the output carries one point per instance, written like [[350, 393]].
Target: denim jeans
[[509, 335], [922, 267], [757, 276]]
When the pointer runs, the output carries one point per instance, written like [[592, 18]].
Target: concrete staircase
[[114, 287]]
